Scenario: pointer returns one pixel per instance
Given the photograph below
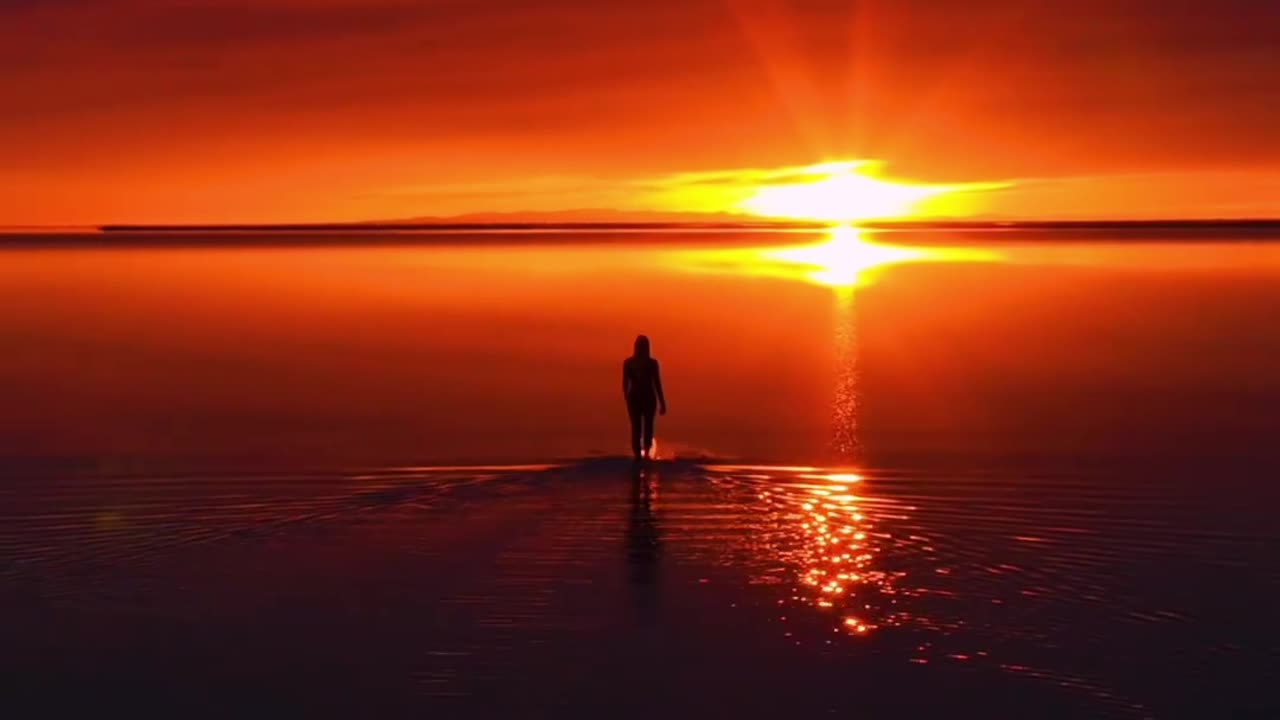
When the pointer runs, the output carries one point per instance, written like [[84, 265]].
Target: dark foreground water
[[1023, 480]]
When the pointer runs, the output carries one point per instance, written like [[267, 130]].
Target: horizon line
[[762, 225]]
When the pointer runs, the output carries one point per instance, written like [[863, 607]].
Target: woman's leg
[[648, 431], [636, 418]]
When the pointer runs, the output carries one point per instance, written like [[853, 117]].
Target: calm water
[[1019, 479]]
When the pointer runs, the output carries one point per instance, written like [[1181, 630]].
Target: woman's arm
[[626, 380], [657, 386]]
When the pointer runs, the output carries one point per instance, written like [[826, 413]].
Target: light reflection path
[[819, 528], [844, 421]]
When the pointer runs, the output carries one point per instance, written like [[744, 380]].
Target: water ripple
[[471, 585]]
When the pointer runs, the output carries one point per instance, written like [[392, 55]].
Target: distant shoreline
[[941, 225]]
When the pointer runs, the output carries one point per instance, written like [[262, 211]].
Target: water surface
[[1024, 478]]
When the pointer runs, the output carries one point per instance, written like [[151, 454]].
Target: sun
[[845, 191], [835, 192]]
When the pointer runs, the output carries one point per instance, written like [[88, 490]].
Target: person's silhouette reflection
[[644, 542], [642, 387]]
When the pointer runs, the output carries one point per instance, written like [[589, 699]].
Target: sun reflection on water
[[847, 257], [845, 395], [814, 523], [843, 258], [816, 529], [835, 555]]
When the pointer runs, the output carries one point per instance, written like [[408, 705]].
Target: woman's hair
[[642, 346]]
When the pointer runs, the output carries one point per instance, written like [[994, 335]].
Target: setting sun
[[840, 192]]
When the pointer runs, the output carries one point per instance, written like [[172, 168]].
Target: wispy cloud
[[714, 191]]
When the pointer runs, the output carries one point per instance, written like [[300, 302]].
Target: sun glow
[[845, 259], [842, 191], [835, 191]]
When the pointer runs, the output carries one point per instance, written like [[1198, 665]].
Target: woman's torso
[[641, 372]]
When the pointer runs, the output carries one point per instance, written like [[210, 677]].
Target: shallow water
[[1026, 480]]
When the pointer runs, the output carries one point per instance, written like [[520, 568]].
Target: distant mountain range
[[577, 216]]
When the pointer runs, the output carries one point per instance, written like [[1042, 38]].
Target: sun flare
[[843, 191]]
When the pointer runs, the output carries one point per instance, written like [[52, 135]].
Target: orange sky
[[314, 110]]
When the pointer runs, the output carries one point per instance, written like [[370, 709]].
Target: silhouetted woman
[[642, 386]]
